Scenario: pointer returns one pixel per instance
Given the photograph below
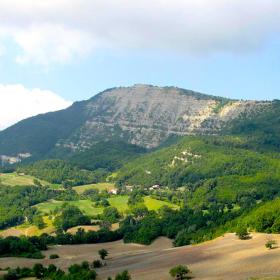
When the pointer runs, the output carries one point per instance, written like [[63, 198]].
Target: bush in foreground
[[242, 233], [271, 244], [179, 272], [54, 256]]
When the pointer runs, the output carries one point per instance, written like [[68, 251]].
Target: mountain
[[142, 115]]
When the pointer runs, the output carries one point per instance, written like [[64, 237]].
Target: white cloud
[[58, 31], [18, 102], [51, 43]]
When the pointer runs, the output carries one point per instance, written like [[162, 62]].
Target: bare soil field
[[73, 230], [223, 258]]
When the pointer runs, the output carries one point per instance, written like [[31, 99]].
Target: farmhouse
[[113, 191], [154, 187]]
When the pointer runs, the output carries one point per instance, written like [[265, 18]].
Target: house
[[113, 191], [129, 188], [154, 187]]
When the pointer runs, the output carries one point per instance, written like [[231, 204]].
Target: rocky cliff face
[[147, 115]]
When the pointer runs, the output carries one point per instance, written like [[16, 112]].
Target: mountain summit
[[143, 115]]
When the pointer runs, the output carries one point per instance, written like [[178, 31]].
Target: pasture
[[88, 207], [28, 229], [155, 204], [14, 179], [98, 186]]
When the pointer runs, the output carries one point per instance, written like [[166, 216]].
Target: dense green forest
[[108, 155], [84, 167], [261, 129]]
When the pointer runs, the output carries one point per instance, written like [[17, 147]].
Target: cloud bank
[[18, 102], [59, 31]]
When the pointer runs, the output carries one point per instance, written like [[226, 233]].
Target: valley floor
[[223, 258]]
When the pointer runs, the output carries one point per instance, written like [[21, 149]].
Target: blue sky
[[243, 76], [53, 53]]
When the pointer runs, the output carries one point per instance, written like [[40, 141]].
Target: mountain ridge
[[143, 115]]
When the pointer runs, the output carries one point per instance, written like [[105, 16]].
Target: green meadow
[[88, 207]]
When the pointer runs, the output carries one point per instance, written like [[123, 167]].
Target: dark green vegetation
[[179, 272], [123, 276], [103, 254], [39, 135], [59, 172], [81, 168], [108, 155], [70, 216], [264, 218], [84, 271], [22, 247], [185, 226], [31, 247], [261, 129], [211, 170]]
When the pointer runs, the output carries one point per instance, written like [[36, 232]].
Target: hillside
[[142, 115], [223, 258], [210, 169]]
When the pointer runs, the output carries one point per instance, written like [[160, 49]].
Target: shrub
[[179, 272], [271, 244], [123, 276], [96, 264], [103, 253], [54, 256], [242, 232]]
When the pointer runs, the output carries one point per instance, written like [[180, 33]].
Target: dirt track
[[223, 258]]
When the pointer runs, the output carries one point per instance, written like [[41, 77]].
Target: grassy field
[[14, 179], [120, 202], [29, 230], [99, 186], [155, 204], [225, 258], [87, 206]]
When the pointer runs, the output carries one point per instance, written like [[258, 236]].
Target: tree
[[242, 232], [70, 216], [103, 253], [140, 210], [96, 264], [135, 197], [104, 202], [111, 214], [53, 256], [179, 272], [123, 276]]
